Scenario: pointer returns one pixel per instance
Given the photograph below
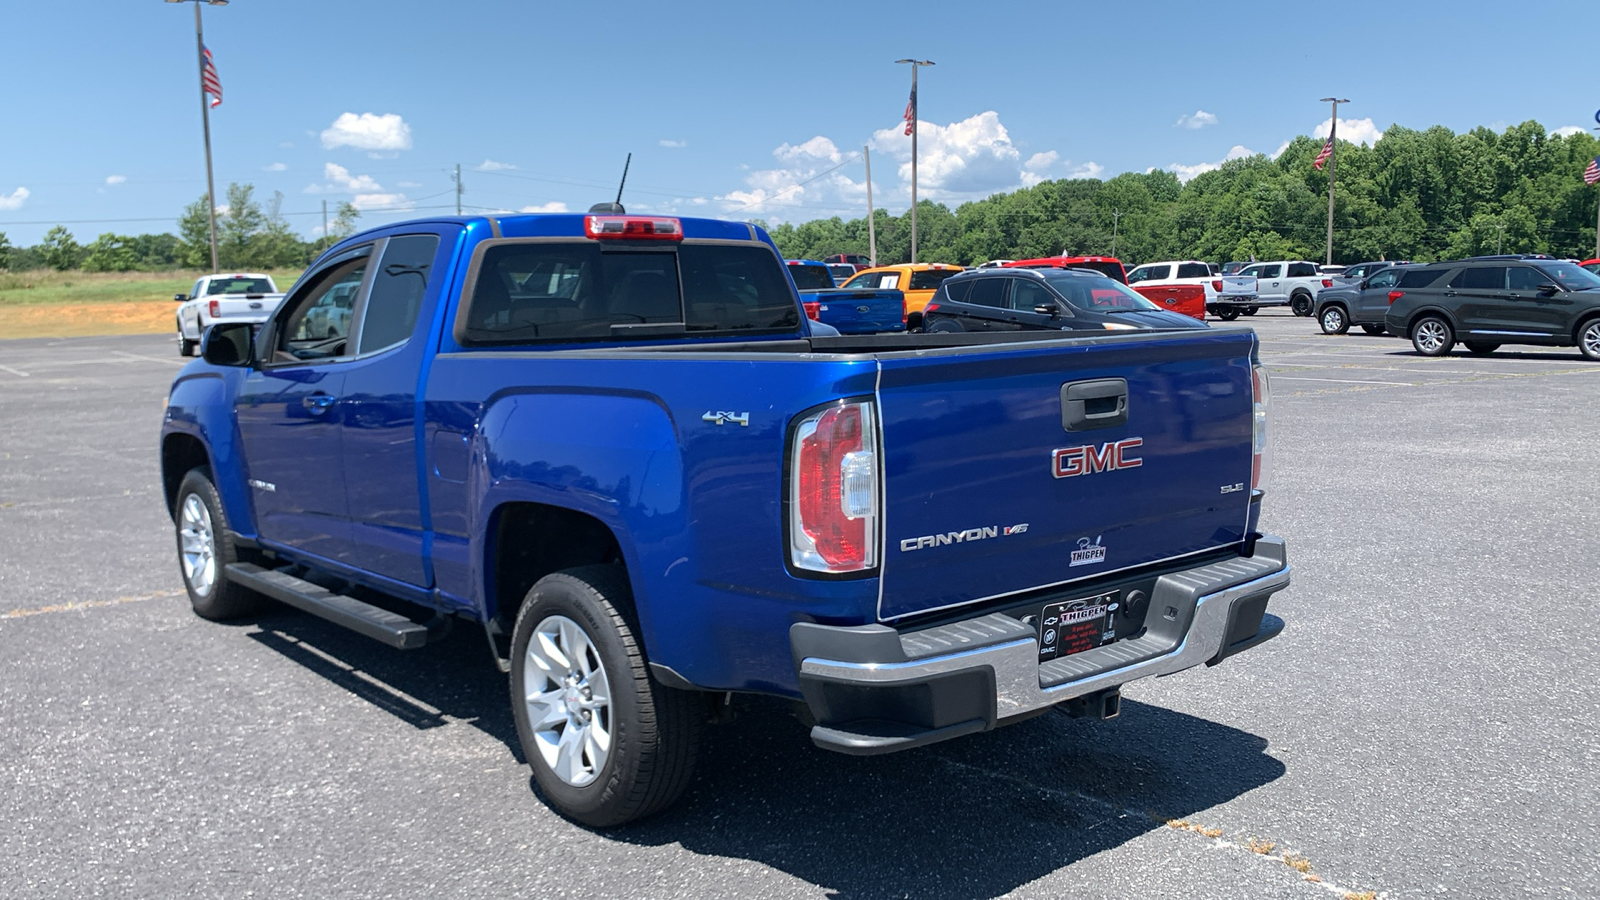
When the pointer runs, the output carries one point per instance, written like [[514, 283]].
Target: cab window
[[1025, 295], [1194, 270], [1480, 278], [1524, 278], [1385, 278], [1301, 270], [398, 286], [929, 279], [316, 321], [1267, 271]]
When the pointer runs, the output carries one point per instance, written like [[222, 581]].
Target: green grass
[[46, 286]]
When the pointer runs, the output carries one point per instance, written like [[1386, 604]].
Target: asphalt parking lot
[[1423, 728]]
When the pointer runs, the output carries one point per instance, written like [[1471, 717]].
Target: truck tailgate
[[986, 492], [859, 310]]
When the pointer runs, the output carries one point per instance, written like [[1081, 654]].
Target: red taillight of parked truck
[[833, 493]]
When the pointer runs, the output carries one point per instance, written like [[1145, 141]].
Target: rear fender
[[614, 457], [1411, 320]]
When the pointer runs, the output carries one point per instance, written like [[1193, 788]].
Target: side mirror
[[229, 344], [1047, 309], [179, 298], [1549, 288]]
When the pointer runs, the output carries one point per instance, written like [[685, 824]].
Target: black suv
[[1008, 299], [1487, 301]]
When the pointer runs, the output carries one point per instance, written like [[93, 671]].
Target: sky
[[741, 110]]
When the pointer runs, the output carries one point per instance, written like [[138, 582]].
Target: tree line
[[248, 237], [1417, 195]]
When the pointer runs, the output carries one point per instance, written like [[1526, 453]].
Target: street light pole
[[911, 123], [205, 119], [1333, 156], [1116, 219]]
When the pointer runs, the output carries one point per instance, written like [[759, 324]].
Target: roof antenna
[[615, 208]]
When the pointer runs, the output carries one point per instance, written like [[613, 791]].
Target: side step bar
[[363, 618]]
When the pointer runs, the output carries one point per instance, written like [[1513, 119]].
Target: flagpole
[[1333, 156], [205, 119], [915, 65]]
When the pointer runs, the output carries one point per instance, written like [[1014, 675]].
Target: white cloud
[[1186, 172], [274, 167], [1569, 130], [15, 199], [804, 177], [1356, 131], [972, 157], [385, 202], [368, 131], [1090, 169], [116, 179], [1200, 119], [1041, 161], [668, 143], [342, 180], [554, 206], [489, 165]]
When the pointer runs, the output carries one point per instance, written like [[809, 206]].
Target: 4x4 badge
[[718, 418]]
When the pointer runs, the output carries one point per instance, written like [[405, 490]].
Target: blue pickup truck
[[613, 445], [849, 310]]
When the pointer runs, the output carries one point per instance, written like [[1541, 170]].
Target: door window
[[1148, 273], [1194, 270], [1301, 270], [316, 321], [1480, 278], [397, 289], [1384, 278], [989, 292], [1025, 295], [1268, 271], [1525, 278], [957, 291]]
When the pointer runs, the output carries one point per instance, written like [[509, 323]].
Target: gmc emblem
[[1070, 462]]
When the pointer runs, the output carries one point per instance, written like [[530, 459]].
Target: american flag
[[1592, 174], [209, 79], [911, 112], [1327, 151]]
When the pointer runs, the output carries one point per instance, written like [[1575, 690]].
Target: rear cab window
[[1301, 270], [539, 291], [224, 285], [930, 279], [1194, 270], [811, 278]]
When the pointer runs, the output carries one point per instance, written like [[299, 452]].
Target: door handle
[[317, 403]]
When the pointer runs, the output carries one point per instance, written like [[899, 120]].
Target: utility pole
[[1116, 218], [1333, 155], [872, 226], [458, 189], [1500, 233], [911, 129], [205, 120], [324, 222]]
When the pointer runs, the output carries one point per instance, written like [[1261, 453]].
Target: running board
[[363, 618]]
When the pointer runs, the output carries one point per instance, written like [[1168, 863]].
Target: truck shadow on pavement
[[976, 817]]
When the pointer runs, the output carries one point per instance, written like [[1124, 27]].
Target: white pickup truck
[[235, 297], [1289, 282], [1226, 296]]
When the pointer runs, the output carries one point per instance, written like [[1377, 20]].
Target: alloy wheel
[[199, 545], [568, 697]]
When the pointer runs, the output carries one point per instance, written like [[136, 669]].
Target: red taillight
[[833, 501], [1395, 295], [813, 309], [1260, 449], [1327, 282], [633, 228], [215, 308], [931, 307], [1217, 285]]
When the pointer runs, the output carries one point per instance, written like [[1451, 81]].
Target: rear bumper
[[873, 689], [1235, 300]]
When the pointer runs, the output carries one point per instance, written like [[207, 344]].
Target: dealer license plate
[[1073, 626]]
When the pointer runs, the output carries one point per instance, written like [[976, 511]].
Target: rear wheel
[[1227, 313], [942, 326], [608, 744], [1375, 330], [186, 346], [205, 548], [1300, 304], [1589, 339], [1480, 348], [1333, 320], [1432, 336]]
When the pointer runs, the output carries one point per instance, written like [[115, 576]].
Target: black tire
[[186, 346], [1433, 336], [1333, 319], [1300, 304], [1480, 348], [1227, 313], [654, 731], [1588, 335], [1250, 310], [1375, 330], [211, 594]]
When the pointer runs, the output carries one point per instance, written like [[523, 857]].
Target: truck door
[[288, 415], [1269, 282], [378, 410]]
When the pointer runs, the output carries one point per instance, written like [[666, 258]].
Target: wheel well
[[179, 454], [531, 540], [1331, 303], [1421, 314], [1582, 323]]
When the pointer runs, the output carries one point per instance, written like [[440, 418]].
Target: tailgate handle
[[1101, 403]]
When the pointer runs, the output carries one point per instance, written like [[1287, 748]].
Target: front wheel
[[1333, 320], [205, 548], [608, 744], [1375, 330], [1300, 304], [1227, 313], [1589, 340], [1433, 336]]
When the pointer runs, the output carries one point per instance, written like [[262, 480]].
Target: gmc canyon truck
[[247, 297], [613, 444]]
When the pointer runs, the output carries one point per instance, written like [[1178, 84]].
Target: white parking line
[[175, 362], [17, 372], [1343, 381]]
